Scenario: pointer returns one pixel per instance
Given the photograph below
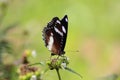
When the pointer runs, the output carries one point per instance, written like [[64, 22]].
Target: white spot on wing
[[58, 31], [58, 22], [50, 43], [63, 28], [66, 19]]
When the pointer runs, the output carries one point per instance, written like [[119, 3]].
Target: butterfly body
[[55, 34]]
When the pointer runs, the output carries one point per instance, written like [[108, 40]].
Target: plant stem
[[57, 70]]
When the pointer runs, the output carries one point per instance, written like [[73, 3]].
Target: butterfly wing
[[54, 35], [64, 23]]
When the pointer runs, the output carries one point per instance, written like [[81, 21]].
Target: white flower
[[63, 65], [34, 77], [34, 53], [68, 59]]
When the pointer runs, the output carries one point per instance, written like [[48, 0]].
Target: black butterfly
[[55, 34]]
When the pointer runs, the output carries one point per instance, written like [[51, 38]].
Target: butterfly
[[55, 35]]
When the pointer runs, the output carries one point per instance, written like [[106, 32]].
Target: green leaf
[[73, 71], [109, 77]]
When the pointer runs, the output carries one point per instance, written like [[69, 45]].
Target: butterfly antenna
[[72, 51]]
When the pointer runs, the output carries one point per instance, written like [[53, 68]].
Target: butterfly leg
[[52, 54]]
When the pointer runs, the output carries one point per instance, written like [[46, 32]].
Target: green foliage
[[56, 63]]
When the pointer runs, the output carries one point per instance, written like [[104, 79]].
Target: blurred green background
[[94, 30]]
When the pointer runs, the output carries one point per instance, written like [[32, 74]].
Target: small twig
[[57, 70]]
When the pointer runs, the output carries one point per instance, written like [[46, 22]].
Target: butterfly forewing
[[54, 35], [64, 23]]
